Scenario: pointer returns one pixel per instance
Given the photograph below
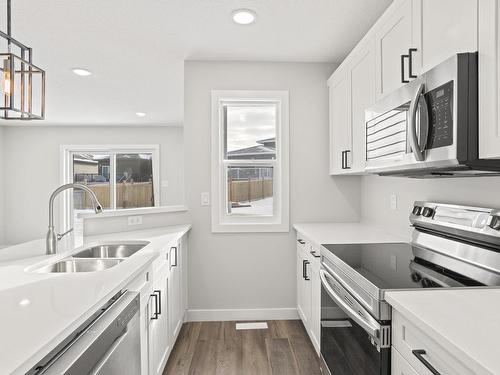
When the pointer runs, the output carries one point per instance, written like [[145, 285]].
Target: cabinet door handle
[[343, 158], [302, 242], [313, 253], [410, 63], [347, 159], [155, 314], [419, 353], [304, 269], [305, 263], [159, 301], [175, 250], [403, 78]]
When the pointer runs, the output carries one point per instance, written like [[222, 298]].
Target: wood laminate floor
[[218, 348]]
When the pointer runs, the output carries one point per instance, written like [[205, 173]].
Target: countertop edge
[[477, 367], [39, 355], [177, 232]]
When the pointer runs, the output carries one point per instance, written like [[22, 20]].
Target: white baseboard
[[241, 314]]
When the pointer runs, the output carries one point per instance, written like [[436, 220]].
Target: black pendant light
[[22, 84]]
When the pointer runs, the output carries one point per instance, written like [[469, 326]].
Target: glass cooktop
[[393, 266]]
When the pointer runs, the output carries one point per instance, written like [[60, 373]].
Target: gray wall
[[257, 270], [2, 182], [32, 165], [376, 191]]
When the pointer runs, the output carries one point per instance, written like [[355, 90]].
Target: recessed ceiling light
[[244, 16], [140, 114], [82, 72]]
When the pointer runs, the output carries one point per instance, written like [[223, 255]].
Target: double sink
[[94, 258]]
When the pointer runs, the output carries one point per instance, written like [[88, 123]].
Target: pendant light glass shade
[[22, 89], [22, 84]]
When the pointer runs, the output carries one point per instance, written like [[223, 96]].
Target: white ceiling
[[136, 48]]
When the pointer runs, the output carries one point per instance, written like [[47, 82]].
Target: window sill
[[134, 211]]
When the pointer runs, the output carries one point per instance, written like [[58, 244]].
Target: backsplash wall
[[376, 192]]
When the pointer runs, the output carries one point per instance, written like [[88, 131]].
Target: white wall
[[239, 271], [376, 191], [32, 165], [2, 182]]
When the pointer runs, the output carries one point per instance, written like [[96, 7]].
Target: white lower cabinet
[[420, 352], [309, 289], [303, 286], [315, 318], [399, 366], [175, 308], [163, 288], [160, 342]]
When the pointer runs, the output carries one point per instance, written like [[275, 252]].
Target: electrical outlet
[[134, 220], [394, 262], [205, 198], [394, 202]]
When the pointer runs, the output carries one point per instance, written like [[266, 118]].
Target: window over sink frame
[[66, 173]]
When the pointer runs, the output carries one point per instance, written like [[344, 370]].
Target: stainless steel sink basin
[[71, 265], [123, 250]]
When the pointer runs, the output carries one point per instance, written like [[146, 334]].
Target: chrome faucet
[[52, 237]]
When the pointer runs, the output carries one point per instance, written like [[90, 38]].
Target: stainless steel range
[[451, 247]]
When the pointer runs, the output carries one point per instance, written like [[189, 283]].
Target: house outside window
[[121, 176], [250, 161]]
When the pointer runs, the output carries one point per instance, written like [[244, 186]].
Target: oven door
[[352, 341]]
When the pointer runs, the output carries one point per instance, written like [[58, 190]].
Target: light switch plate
[[394, 202], [164, 183], [134, 220], [205, 198]]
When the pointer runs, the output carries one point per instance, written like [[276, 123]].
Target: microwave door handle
[[415, 147], [372, 328], [424, 123]]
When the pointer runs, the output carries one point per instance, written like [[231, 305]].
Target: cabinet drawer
[[406, 338], [399, 366]]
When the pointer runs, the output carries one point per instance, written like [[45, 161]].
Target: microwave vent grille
[[386, 135]]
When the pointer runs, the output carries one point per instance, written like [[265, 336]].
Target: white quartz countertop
[[39, 310], [465, 322], [346, 233]]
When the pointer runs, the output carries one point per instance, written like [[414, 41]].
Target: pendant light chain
[[9, 24]]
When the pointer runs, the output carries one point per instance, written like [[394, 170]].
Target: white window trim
[[66, 173], [279, 222]]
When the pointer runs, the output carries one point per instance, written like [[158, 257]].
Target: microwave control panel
[[440, 107]]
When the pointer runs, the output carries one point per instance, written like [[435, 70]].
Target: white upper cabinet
[[489, 79], [444, 28], [394, 39], [340, 119], [362, 92], [411, 37]]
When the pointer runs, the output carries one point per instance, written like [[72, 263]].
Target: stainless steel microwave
[[429, 127]]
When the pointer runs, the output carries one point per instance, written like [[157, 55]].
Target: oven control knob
[[495, 223], [427, 212], [416, 277], [416, 210], [426, 283]]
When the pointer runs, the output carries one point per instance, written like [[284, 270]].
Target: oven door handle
[[371, 327], [414, 143]]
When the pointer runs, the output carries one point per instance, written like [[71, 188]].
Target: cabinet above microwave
[[412, 37]]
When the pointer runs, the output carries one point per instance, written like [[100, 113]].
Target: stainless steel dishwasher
[[107, 344]]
